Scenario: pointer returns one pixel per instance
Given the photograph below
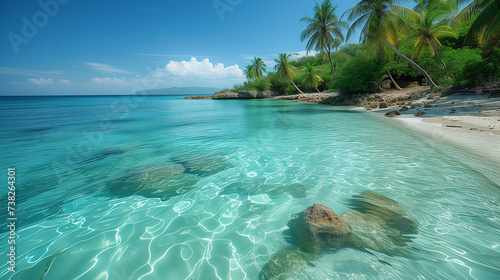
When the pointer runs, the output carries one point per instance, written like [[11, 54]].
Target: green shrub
[[359, 75], [258, 84], [480, 73], [280, 85]]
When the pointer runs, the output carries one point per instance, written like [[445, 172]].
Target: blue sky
[[68, 47]]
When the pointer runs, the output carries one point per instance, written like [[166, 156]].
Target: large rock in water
[[318, 226]]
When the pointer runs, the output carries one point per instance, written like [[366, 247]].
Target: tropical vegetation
[[442, 43]]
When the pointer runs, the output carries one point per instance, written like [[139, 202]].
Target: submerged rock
[[379, 225], [253, 187], [203, 165], [162, 182], [388, 210], [317, 226], [281, 265], [371, 232]]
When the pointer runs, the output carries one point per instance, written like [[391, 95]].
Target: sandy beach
[[467, 120]]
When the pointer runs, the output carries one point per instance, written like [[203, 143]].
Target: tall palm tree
[[486, 27], [379, 24], [323, 28], [258, 68], [284, 68], [312, 80]]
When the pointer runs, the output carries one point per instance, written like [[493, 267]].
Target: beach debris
[[419, 113], [457, 126], [392, 114], [473, 128]]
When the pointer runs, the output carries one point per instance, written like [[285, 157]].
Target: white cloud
[[14, 83], [200, 69], [108, 81], [64, 82], [104, 68], [41, 81]]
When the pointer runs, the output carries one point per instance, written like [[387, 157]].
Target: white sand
[[469, 121]]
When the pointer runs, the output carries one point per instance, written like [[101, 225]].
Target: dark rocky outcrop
[[392, 114], [199, 97], [382, 105], [419, 113], [244, 94]]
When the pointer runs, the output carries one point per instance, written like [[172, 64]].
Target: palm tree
[[248, 72], [258, 68], [312, 80], [428, 23], [486, 27], [379, 24], [323, 28], [336, 43], [284, 68]]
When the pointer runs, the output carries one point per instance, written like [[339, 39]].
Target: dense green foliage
[[355, 79], [440, 47], [480, 72]]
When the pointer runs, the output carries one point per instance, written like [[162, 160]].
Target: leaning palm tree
[[322, 29], [258, 68], [486, 27], [379, 25], [312, 80], [284, 68]]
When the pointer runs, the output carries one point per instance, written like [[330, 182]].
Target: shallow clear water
[[164, 188]]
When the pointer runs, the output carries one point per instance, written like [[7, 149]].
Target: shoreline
[[467, 120]]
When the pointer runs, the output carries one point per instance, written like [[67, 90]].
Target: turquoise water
[[165, 188]]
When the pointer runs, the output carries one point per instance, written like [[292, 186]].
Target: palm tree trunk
[[424, 73], [393, 81], [437, 53], [317, 90], [296, 86], [331, 62]]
